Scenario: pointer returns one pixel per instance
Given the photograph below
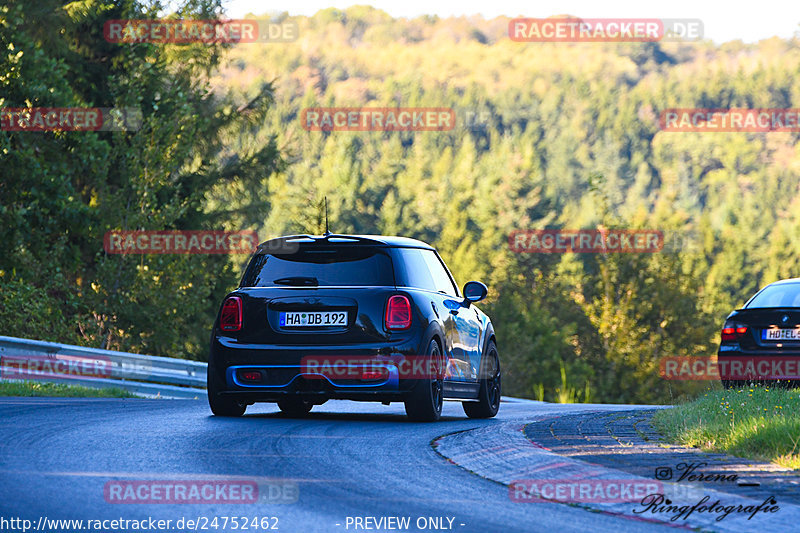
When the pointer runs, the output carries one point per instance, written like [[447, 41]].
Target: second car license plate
[[313, 319], [780, 334]]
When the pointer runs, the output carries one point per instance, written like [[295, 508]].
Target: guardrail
[[25, 359]]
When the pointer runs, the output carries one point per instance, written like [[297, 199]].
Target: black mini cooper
[[353, 317]]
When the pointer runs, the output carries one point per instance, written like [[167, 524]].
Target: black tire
[[221, 405], [489, 394], [295, 406], [424, 402]]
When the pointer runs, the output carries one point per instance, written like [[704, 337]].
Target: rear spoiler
[[291, 243]]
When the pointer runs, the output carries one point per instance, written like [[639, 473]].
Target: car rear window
[[781, 295], [321, 266]]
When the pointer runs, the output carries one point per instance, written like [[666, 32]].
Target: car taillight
[[250, 375], [733, 331], [398, 313], [380, 373], [231, 317]]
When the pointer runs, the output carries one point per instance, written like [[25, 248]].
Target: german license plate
[[301, 319], [780, 334]]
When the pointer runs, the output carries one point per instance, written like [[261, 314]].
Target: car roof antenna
[[327, 232]]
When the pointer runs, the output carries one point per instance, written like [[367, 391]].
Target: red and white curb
[[502, 453]]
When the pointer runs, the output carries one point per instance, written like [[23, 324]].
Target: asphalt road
[[346, 461]]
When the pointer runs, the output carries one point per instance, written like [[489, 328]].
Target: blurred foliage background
[[557, 135]]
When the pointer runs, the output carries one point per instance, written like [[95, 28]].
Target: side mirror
[[474, 291]]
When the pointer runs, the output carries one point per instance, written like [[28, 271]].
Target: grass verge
[[34, 388], [756, 422]]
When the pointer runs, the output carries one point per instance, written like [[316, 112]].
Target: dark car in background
[[763, 335], [353, 317]]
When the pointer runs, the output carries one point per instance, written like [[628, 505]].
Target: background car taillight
[[733, 331], [398, 313], [231, 317]]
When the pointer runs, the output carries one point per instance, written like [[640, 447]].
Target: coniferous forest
[[547, 135]]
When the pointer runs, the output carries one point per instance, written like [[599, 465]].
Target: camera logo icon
[[663, 473]]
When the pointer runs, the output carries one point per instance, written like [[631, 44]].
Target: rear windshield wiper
[[299, 281]]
